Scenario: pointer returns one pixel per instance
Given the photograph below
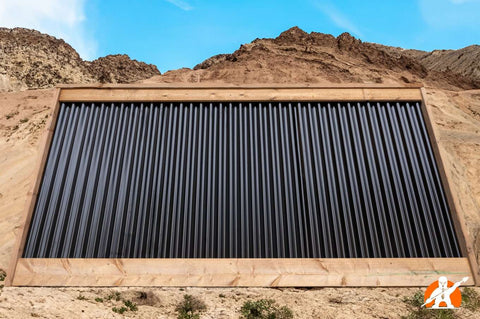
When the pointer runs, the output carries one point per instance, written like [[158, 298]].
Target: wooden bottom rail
[[369, 272]]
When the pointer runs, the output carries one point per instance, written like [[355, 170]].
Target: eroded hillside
[[32, 60]]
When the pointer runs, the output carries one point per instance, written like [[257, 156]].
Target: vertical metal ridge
[[307, 228], [353, 181], [241, 180]]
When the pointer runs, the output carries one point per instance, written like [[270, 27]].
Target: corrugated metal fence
[[238, 180]]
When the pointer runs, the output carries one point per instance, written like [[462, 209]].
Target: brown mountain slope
[[465, 61], [30, 59], [297, 56]]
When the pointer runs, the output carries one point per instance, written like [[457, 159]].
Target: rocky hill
[[465, 61], [30, 59], [297, 56]]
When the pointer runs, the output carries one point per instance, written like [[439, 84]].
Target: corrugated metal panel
[[239, 180]]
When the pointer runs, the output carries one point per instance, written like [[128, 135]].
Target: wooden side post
[[43, 150]]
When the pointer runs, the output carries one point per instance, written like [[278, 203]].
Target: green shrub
[[265, 309], [470, 299], [417, 312], [81, 297], [120, 310], [190, 307], [130, 305], [98, 299], [114, 296], [3, 275]]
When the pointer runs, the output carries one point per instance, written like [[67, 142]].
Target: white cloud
[[60, 18], [338, 18], [181, 4]]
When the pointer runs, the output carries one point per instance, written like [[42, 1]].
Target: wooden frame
[[237, 272]]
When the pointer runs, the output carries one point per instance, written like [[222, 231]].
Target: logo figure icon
[[443, 294]]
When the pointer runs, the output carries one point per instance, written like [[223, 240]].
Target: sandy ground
[[457, 124], [23, 117], [221, 302], [456, 117]]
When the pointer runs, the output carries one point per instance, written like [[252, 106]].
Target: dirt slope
[[30, 59], [465, 61]]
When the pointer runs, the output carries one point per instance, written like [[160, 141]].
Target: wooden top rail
[[232, 94]]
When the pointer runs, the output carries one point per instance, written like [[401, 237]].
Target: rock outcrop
[[30, 59], [301, 57]]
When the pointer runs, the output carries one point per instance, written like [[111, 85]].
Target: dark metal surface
[[242, 180]]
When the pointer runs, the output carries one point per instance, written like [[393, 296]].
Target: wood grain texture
[[238, 94], [201, 85], [460, 226], [239, 272]]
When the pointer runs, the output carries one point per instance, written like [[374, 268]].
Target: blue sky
[[182, 33]]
